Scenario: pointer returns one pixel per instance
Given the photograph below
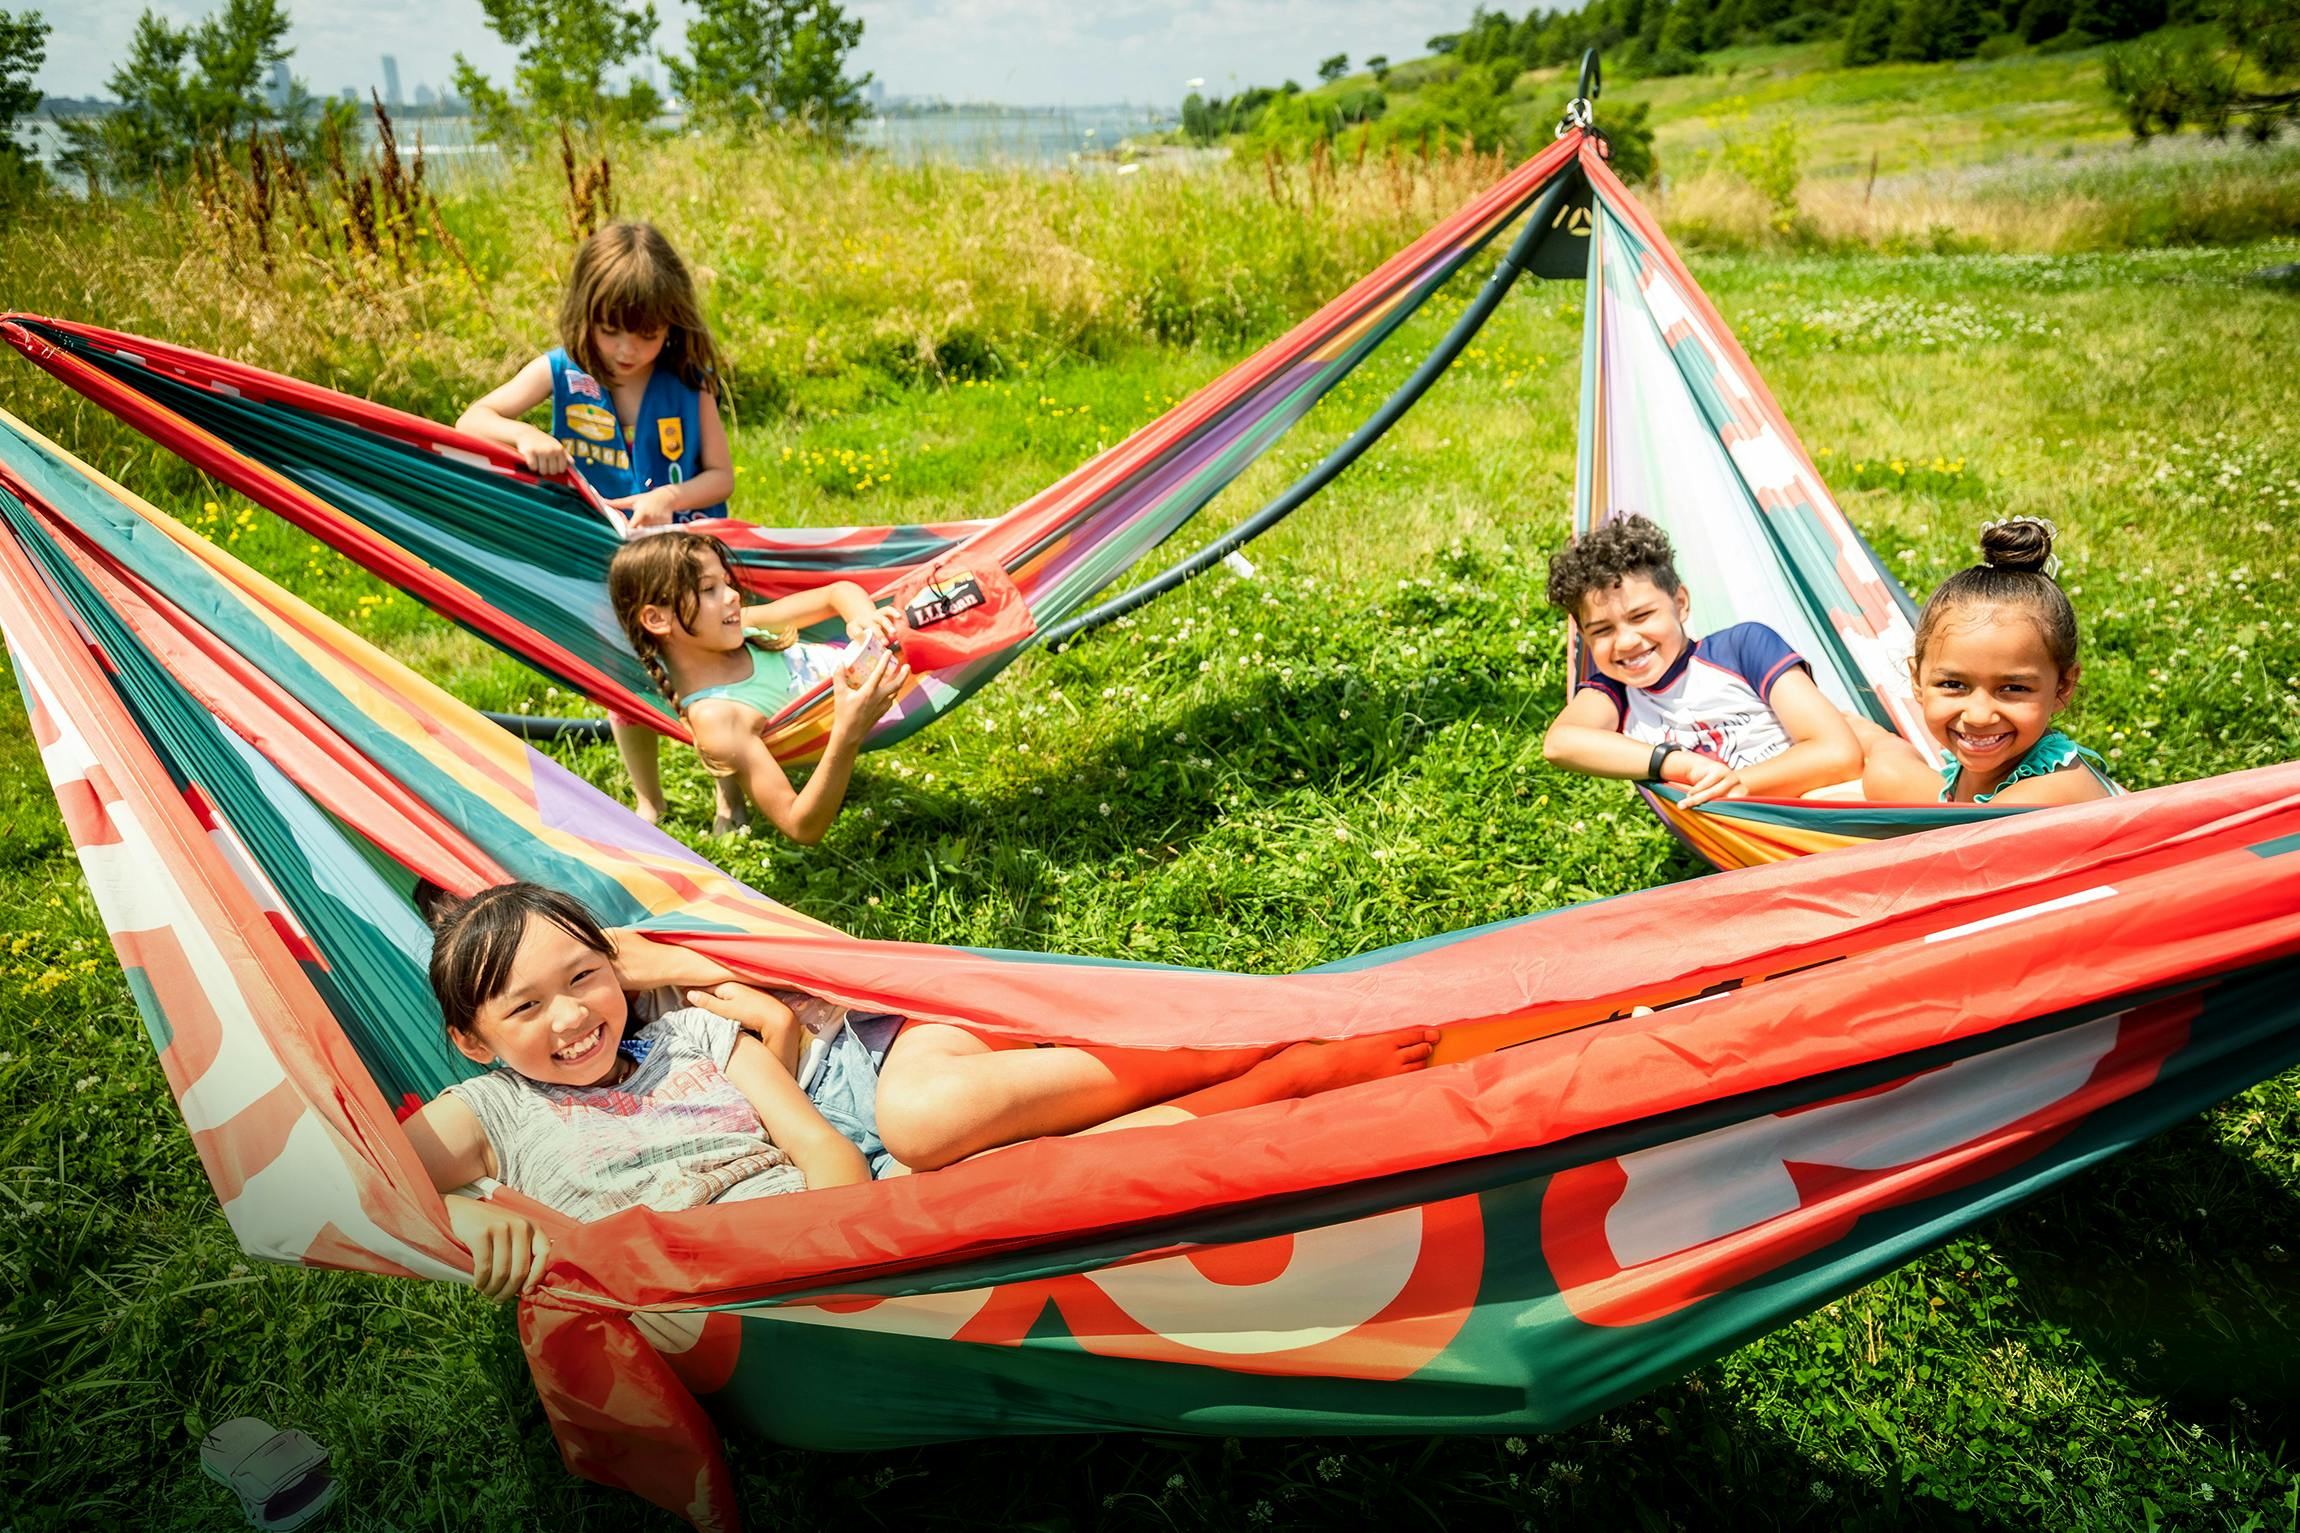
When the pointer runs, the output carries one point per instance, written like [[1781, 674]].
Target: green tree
[[755, 62], [1912, 40], [566, 48], [2116, 20], [1380, 65], [1961, 27], [1869, 36], [2041, 19], [2251, 78], [1681, 38], [1333, 68], [1649, 25], [1197, 121], [813, 89], [23, 48], [184, 87]]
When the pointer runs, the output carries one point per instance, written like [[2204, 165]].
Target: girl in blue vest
[[633, 388]]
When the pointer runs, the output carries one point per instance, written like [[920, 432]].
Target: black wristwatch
[[1661, 753]]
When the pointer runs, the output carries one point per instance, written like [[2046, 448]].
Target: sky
[[1022, 51]]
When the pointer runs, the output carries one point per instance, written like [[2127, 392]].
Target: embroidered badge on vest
[[591, 421], [672, 433], [579, 382]]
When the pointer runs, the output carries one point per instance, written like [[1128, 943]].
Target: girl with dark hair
[[702, 1106], [1994, 664], [585, 1116]]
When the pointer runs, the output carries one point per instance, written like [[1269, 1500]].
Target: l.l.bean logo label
[[591, 421]]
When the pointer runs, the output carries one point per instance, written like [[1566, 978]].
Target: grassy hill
[[1778, 144]]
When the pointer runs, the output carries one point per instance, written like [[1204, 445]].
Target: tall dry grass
[[815, 266], [2184, 193]]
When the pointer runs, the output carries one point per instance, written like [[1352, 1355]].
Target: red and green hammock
[[459, 525], [1660, 1124]]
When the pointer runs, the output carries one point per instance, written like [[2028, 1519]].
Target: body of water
[[1050, 136]]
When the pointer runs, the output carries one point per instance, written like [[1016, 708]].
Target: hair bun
[[2020, 543]]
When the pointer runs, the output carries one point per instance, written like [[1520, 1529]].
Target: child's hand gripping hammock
[[1662, 1124]]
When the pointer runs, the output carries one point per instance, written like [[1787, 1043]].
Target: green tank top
[[2052, 751], [777, 675]]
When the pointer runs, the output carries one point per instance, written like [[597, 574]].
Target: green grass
[[2022, 153], [1341, 754], [1967, 112]]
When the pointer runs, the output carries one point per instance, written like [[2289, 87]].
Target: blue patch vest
[[664, 446]]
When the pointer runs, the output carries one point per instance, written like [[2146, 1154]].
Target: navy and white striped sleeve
[[1756, 654]]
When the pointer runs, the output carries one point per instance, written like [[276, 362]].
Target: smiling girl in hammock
[[589, 1117], [1995, 663]]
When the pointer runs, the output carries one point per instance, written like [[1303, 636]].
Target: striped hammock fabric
[[1677, 426], [1658, 1124], [460, 526]]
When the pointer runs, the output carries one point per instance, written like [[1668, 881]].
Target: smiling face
[[714, 620], [1990, 688], [1634, 631], [559, 1015], [627, 353]]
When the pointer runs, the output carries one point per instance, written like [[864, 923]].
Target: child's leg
[[945, 1094], [642, 752], [734, 810], [1300, 1070]]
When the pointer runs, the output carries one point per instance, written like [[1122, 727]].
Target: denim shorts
[[845, 1089]]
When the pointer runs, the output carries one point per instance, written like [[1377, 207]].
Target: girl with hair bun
[[1994, 664]]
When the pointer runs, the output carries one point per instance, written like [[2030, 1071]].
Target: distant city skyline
[[1022, 51]]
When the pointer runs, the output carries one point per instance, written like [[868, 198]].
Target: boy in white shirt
[[1733, 714]]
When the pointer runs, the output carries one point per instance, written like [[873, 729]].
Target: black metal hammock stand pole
[[1472, 319], [534, 726]]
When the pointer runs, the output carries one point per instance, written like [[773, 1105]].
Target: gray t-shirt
[[676, 1134]]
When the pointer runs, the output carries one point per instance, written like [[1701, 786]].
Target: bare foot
[[651, 814], [1305, 1069]]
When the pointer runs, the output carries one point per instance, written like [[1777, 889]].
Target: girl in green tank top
[[732, 669]]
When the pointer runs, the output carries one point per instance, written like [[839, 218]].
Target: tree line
[[2225, 64], [186, 90]]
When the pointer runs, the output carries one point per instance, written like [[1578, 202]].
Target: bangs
[[634, 293]]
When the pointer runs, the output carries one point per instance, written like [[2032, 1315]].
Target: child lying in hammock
[[694, 1109], [730, 668], [1732, 714], [1994, 664]]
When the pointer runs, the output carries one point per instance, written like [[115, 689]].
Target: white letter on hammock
[[1716, 1184], [1336, 1280]]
